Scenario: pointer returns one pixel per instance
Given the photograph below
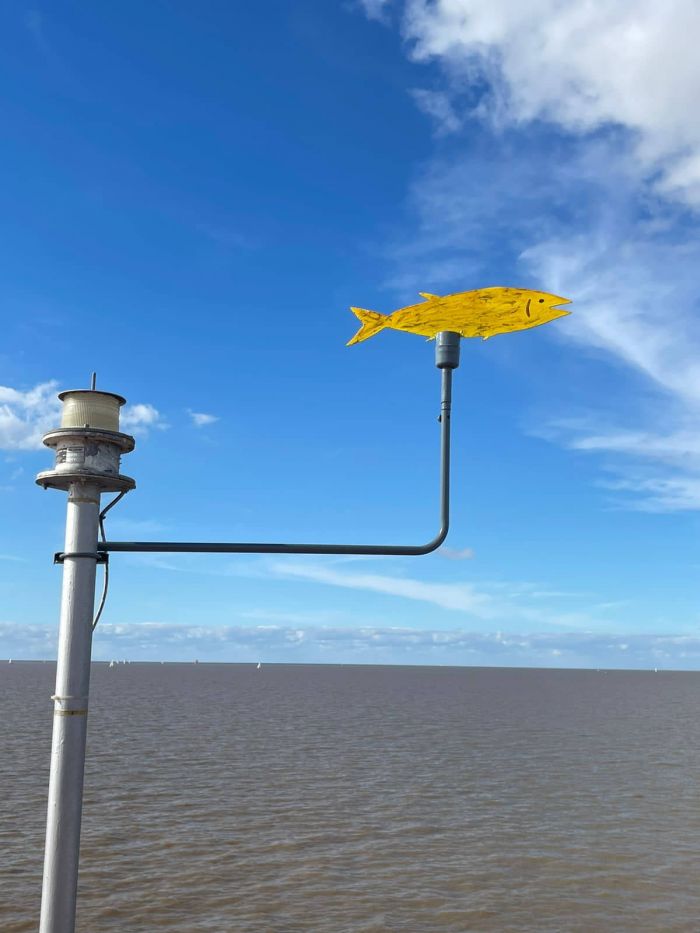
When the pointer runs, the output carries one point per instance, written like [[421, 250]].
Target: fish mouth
[[555, 305], [560, 301]]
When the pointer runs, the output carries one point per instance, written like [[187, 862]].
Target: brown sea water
[[332, 798]]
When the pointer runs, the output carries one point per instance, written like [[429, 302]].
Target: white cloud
[[437, 104], [680, 449], [503, 195], [637, 301], [580, 175], [660, 493], [649, 471], [369, 644], [508, 602], [200, 419], [25, 416], [140, 418], [636, 298], [375, 9], [460, 596], [583, 66]]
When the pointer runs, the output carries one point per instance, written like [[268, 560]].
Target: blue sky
[[192, 200]]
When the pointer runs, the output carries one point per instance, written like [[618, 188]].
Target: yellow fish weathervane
[[480, 313]]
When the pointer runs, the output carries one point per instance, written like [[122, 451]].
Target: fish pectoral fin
[[427, 295]]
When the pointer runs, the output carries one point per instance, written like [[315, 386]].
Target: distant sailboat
[[111, 663], [259, 665]]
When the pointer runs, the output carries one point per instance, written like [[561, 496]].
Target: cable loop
[[105, 588], [100, 557]]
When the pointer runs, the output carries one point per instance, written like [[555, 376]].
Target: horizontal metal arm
[[195, 547]]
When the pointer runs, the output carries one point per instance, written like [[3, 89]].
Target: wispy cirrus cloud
[[508, 603], [453, 553], [463, 597], [645, 470], [201, 419], [135, 527], [438, 106], [511, 604], [638, 303], [584, 179]]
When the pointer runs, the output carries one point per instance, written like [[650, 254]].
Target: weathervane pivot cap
[[447, 349]]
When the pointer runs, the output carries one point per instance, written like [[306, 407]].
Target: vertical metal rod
[[65, 802], [445, 434]]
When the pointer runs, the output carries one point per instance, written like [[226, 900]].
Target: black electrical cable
[[105, 586]]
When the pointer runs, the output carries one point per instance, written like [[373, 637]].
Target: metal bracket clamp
[[101, 557]]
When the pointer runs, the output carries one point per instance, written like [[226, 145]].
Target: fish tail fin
[[372, 322]]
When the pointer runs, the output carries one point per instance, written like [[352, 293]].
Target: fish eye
[[541, 301]]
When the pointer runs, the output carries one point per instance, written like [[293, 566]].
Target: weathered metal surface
[[87, 464], [87, 455], [70, 714]]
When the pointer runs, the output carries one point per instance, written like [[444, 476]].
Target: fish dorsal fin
[[427, 295]]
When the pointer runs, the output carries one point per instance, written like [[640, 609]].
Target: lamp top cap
[[89, 408], [91, 392]]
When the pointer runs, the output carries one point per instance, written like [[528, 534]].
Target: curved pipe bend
[[195, 547]]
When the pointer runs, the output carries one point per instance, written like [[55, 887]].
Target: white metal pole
[[70, 712]]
